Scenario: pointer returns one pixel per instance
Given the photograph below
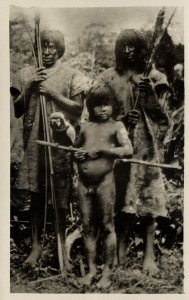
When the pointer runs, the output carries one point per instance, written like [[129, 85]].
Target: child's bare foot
[[33, 258], [150, 267], [104, 282], [87, 280]]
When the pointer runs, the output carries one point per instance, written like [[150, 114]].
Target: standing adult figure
[[140, 188], [63, 88]]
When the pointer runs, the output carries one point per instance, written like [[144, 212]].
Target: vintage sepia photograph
[[97, 98]]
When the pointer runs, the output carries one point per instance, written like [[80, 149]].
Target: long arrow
[[47, 136], [136, 161]]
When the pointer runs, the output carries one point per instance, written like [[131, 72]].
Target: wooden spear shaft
[[132, 160], [152, 164], [47, 136], [155, 46], [58, 146]]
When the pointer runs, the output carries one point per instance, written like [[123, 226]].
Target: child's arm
[[79, 141], [125, 149], [80, 155]]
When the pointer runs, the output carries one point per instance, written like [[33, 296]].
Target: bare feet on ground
[[150, 267], [104, 282], [87, 280], [33, 258]]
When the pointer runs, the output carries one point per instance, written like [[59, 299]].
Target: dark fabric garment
[[69, 83]]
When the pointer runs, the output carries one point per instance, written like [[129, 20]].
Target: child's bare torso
[[98, 136]]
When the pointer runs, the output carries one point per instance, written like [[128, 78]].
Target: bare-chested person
[[102, 140]]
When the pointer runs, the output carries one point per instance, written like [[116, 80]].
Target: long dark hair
[[56, 37], [136, 39], [99, 94]]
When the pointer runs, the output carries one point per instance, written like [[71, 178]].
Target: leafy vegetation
[[92, 53]]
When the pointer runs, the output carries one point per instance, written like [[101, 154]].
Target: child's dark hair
[[99, 94]]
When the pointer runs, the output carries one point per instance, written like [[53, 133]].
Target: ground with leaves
[[92, 53], [130, 280]]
